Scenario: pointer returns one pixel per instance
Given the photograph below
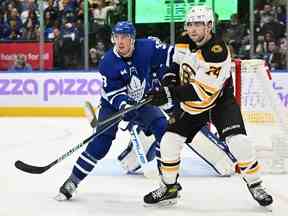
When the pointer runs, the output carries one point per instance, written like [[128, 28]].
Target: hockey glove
[[132, 114], [160, 97], [170, 79]]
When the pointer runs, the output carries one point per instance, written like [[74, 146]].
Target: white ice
[[39, 141]]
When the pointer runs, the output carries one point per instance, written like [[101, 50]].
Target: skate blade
[[60, 197], [164, 203]]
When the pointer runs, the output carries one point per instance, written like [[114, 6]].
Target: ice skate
[[260, 195], [165, 195], [67, 190]]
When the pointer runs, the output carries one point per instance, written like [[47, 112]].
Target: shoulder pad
[[185, 42], [215, 51]]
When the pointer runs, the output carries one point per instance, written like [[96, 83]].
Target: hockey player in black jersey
[[204, 88]]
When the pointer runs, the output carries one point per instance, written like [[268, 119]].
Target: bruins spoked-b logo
[[217, 48], [188, 73]]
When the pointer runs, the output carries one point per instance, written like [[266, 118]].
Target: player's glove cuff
[[160, 97]]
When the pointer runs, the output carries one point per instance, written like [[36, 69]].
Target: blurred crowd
[[269, 33], [64, 27]]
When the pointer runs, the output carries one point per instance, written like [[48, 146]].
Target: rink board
[[63, 94], [48, 94]]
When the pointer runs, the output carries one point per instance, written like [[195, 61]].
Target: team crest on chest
[[136, 87], [188, 73]]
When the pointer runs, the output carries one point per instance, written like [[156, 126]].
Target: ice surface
[[108, 191]]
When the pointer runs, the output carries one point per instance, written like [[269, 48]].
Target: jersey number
[[214, 71]]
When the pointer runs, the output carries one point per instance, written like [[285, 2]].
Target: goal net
[[264, 115]]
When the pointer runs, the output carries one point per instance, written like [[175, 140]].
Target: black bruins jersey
[[203, 72]]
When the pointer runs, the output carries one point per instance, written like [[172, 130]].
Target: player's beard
[[204, 38]]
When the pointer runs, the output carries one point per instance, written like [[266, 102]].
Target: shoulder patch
[[217, 48], [216, 51]]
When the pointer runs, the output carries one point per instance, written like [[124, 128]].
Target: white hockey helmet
[[199, 13]]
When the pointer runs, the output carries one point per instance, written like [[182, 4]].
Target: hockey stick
[[38, 170], [221, 145], [106, 123], [135, 140], [121, 113], [138, 148]]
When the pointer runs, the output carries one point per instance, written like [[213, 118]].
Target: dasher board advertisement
[[52, 94]]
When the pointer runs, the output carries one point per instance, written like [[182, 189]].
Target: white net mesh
[[265, 117]]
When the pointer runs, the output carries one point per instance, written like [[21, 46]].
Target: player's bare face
[[124, 44], [196, 31]]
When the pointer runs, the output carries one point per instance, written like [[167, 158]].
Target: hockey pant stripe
[[251, 167], [171, 166], [83, 166]]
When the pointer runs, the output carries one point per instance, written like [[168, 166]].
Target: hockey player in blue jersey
[[125, 70]]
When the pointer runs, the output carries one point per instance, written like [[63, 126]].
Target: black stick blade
[[29, 168]]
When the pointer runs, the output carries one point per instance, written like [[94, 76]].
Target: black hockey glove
[[170, 79], [160, 97]]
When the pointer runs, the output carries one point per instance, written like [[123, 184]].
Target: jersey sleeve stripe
[[111, 101], [182, 45], [109, 94], [207, 102]]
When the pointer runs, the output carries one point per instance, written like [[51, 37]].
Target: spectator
[[273, 26], [273, 56], [20, 64], [71, 44], [66, 11], [32, 17], [96, 54], [281, 14], [100, 10], [58, 48], [100, 16], [13, 32], [80, 11], [49, 30], [4, 27], [48, 20], [27, 6], [244, 50], [262, 43], [267, 14], [53, 13], [14, 16], [283, 44], [260, 46], [93, 58], [234, 33], [29, 32]]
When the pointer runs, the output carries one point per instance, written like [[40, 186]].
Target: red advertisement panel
[[9, 51]]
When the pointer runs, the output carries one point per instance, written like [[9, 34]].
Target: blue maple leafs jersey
[[128, 79]]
